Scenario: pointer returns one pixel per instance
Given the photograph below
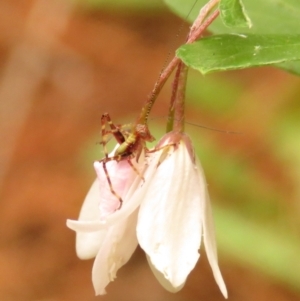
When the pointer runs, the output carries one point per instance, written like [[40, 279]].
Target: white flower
[[173, 215], [112, 246]]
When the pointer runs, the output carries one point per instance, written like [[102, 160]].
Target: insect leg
[[115, 130], [134, 168], [165, 150], [104, 161]]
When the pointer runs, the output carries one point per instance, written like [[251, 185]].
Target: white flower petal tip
[[223, 288], [221, 284], [83, 226], [88, 244], [118, 246], [166, 284], [210, 241], [87, 241]]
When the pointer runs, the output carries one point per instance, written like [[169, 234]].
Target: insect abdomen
[[127, 147]]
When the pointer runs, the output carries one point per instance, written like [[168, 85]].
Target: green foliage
[[121, 4], [229, 52], [268, 17], [200, 88], [268, 249], [233, 14]]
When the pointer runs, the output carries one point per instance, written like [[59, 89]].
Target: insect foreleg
[[115, 130]]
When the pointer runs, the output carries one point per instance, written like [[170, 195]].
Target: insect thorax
[[143, 131]]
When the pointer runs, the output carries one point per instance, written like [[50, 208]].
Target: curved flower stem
[[180, 98], [195, 33], [170, 121], [205, 10]]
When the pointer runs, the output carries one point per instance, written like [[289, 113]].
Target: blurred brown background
[[64, 64]]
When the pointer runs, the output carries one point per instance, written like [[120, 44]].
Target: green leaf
[[233, 14], [237, 51], [267, 16]]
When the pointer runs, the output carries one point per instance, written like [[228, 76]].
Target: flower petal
[[209, 236], [88, 244], [121, 175], [86, 226], [132, 200], [166, 284], [169, 223], [108, 202], [117, 248], [99, 209]]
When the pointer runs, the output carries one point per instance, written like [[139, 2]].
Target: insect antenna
[[214, 129], [204, 127]]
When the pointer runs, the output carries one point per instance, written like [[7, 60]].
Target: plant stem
[[180, 98], [195, 33], [175, 83], [205, 10]]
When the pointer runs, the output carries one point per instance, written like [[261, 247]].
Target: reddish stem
[[194, 35], [173, 98], [180, 98]]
